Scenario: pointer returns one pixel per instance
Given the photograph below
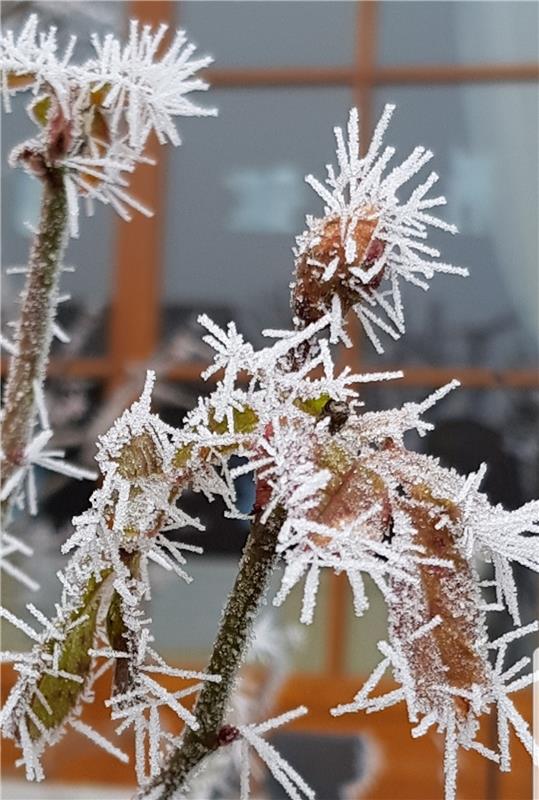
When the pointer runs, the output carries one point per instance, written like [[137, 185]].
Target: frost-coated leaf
[[60, 693], [352, 490], [452, 653]]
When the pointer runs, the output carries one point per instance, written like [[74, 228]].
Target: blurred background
[[228, 204]]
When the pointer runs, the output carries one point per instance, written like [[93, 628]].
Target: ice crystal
[[340, 488], [95, 118], [8, 345], [355, 501], [146, 91], [253, 697], [74, 650], [368, 239], [10, 545], [30, 61], [22, 484], [453, 709], [250, 736], [247, 738]]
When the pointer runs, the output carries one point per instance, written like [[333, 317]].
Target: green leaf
[[62, 694], [245, 421], [182, 456], [39, 109], [313, 405]]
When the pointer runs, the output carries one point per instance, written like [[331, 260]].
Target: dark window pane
[[449, 32], [506, 423], [74, 406]]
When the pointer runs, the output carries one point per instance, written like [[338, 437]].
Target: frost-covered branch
[[100, 622], [34, 332], [256, 566], [92, 123]]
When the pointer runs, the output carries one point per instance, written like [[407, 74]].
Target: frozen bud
[[371, 237], [323, 267], [59, 135], [99, 114], [227, 734]]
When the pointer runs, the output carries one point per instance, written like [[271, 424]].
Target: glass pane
[[186, 643], [484, 140], [92, 255], [269, 34], [202, 601], [497, 426], [364, 633], [447, 32], [237, 198], [70, 17], [310, 654]]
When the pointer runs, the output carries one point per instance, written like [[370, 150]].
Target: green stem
[[34, 333], [256, 566]]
